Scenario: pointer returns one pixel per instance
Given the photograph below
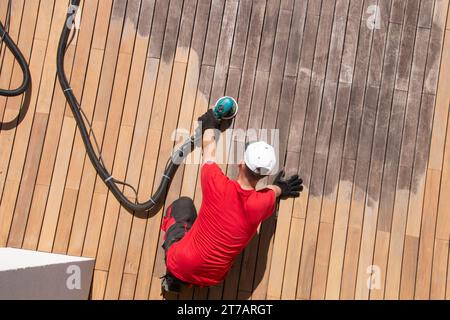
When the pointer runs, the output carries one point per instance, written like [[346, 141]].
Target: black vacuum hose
[[22, 63], [155, 202]]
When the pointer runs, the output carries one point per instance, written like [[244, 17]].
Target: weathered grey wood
[[146, 16], [358, 146], [358, 88], [172, 27], [224, 51], [388, 97], [311, 164], [336, 144], [379, 45], [398, 11], [250, 64], [270, 30], [407, 45], [423, 140], [284, 116], [158, 27], [434, 49], [187, 23], [287, 5], [351, 42], [414, 96], [200, 28], [241, 34], [248, 73], [314, 7], [426, 13], [295, 38], [277, 69], [268, 35], [342, 100], [391, 165], [303, 84], [422, 148], [385, 101], [332, 79], [380, 134], [213, 34]]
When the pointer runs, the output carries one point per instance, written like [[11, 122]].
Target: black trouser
[[180, 215]]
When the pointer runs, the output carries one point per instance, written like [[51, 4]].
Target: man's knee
[[184, 201], [183, 209]]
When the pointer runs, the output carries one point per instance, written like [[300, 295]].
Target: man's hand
[[208, 121], [209, 124], [290, 188]]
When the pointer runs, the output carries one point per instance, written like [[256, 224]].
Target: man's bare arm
[[275, 189], [209, 146]]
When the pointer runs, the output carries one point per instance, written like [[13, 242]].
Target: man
[[200, 250]]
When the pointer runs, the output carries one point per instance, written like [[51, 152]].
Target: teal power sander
[[226, 108]]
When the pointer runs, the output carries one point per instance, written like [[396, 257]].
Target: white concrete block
[[26, 274]]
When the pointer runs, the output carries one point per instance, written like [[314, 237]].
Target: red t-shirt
[[228, 219]]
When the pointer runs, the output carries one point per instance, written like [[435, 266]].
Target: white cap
[[260, 158]]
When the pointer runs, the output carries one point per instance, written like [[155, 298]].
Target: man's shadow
[[239, 284]]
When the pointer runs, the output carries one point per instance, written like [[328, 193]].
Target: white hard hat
[[260, 158]]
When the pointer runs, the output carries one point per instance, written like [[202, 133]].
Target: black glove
[[208, 121], [291, 187]]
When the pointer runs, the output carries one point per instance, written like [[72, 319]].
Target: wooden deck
[[363, 115]]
